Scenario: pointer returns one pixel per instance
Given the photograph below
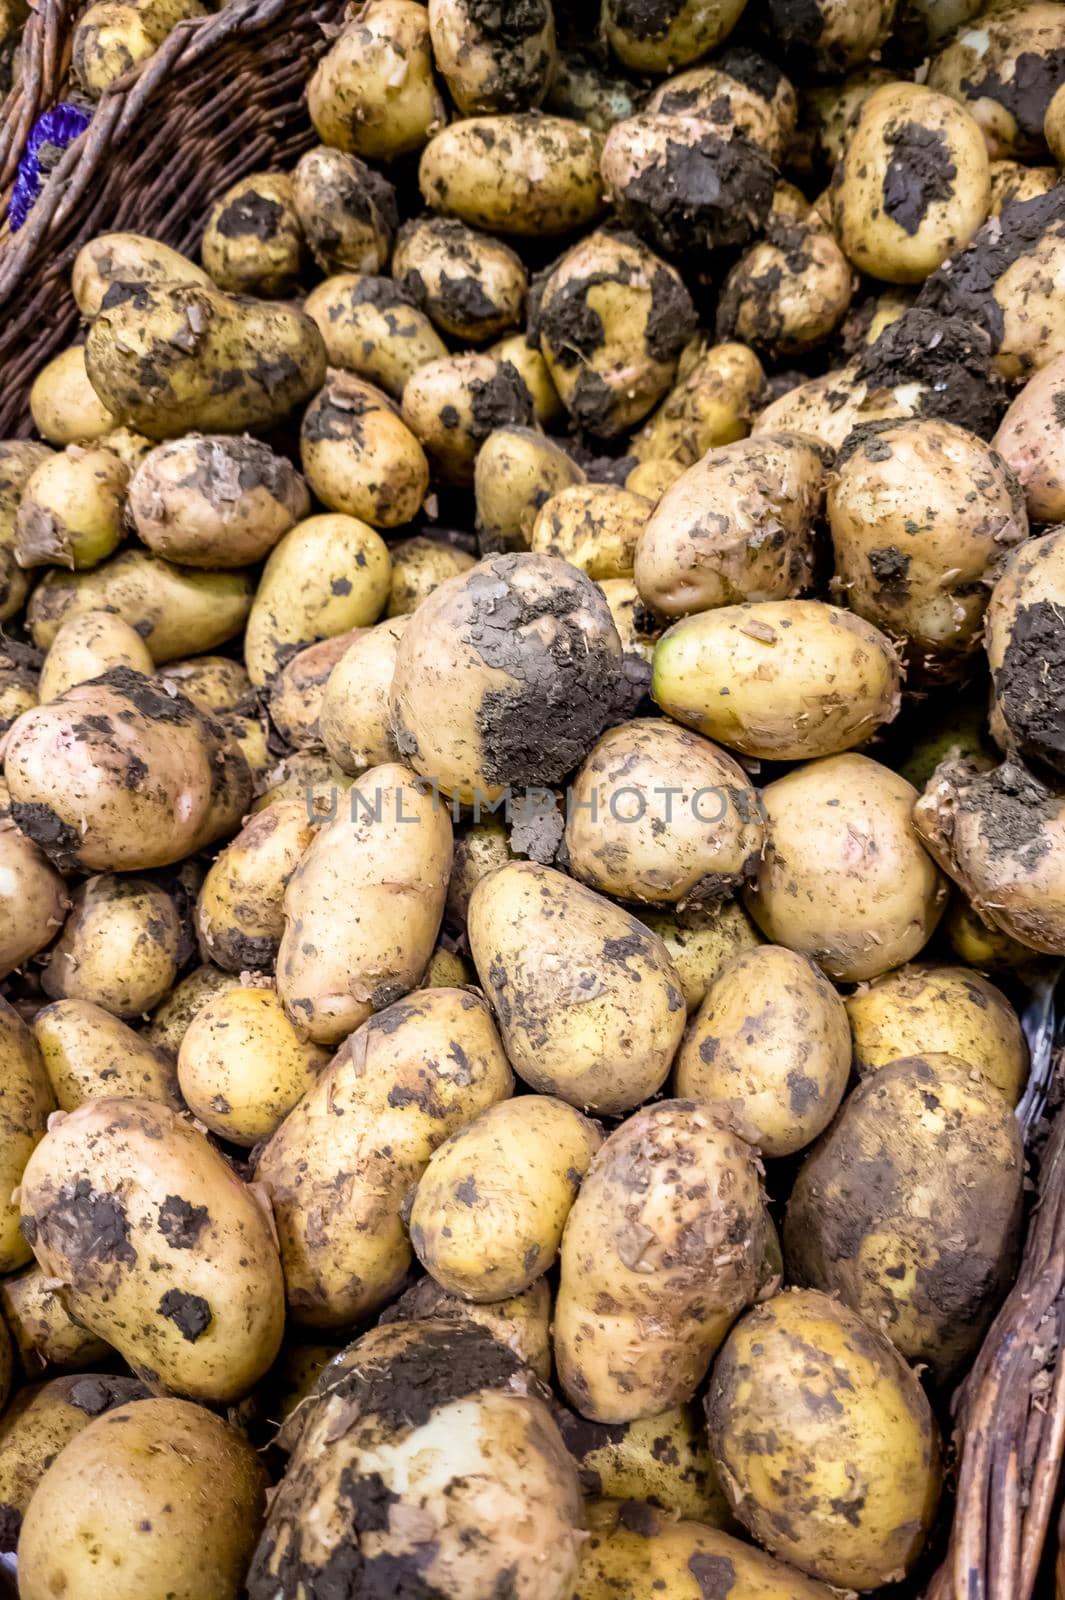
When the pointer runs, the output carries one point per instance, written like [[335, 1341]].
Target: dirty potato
[[33, 897], [24, 1110], [71, 510], [522, 174], [252, 243], [471, 285], [89, 1053], [239, 912], [373, 93], [710, 404], [86, 645], [63, 403], [372, 327], [454, 404], [518, 471], [493, 58], [594, 526], [420, 565], [120, 947]]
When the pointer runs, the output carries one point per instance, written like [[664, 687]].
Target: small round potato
[[354, 720], [1004, 70], [790, 291], [662, 38], [114, 259], [521, 174], [252, 243], [347, 211], [70, 514], [372, 328], [452, 405], [531, 367], [25, 1105], [518, 471], [472, 286], [493, 58], [43, 1332], [979, 944], [296, 692], [373, 93], [119, 947], [594, 526], [89, 1053], [88, 644], [359, 457], [701, 940], [420, 565], [1031, 442], [239, 913], [637, 628], [741, 90], [710, 405], [33, 898], [771, 1042], [63, 403]]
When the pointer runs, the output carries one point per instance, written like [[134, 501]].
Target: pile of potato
[[533, 770]]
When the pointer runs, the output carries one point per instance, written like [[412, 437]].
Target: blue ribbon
[[57, 127]]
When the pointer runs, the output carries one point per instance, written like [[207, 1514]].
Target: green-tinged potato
[[373, 93], [1029, 440], [239, 912], [1004, 70], [86, 645], [371, 327], [89, 1053], [297, 690], [176, 358], [594, 526], [533, 371], [119, 948], [420, 565], [701, 940], [216, 501], [584, 90], [70, 514], [589, 1004], [358, 455], [214, 684], [637, 628], [494, 58], [742, 91], [42, 1330], [339, 1168], [807, 1406], [1024, 639], [353, 719], [663, 1459], [452, 405], [489, 1209], [480, 847], [63, 403], [33, 898], [151, 1500], [660, 816], [472, 286], [518, 470], [667, 37], [932, 1010], [663, 1248], [738, 525], [19, 458], [520, 1322], [169, 1021], [242, 1066], [523, 174], [25, 1104], [771, 1042], [177, 612], [844, 879], [252, 243], [119, 775], [329, 574], [1010, 180], [113, 259], [363, 908], [346, 210], [783, 680], [710, 405], [927, 1251], [977, 942], [113, 36], [465, 1442], [163, 1250], [791, 290], [612, 319]]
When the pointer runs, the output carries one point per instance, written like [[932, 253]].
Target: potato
[[977, 943], [828, 36], [354, 721], [339, 1167], [296, 692], [832, 108], [363, 908], [1005, 71], [453, 405], [1054, 126], [214, 684], [489, 1209], [252, 243], [738, 525], [33, 898], [25, 1105], [792, 289], [420, 565], [119, 948], [492, 60], [637, 628], [658, 815], [86, 645], [175, 611], [532, 369], [112, 36], [588, 1002], [520, 1322], [372, 327], [43, 1333], [372, 93], [169, 1021], [447, 970], [63, 403], [18, 689], [119, 776], [710, 405], [742, 91], [346, 210], [216, 501], [480, 847], [518, 471], [310, 777], [19, 458], [152, 1499], [444, 1423], [663, 1247], [806, 1404], [328, 574], [89, 1053], [663, 38], [472, 286], [612, 319], [521, 174], [505, 675], [359, 457], [164, 1252], [700, 940], [584, 90], [175, 358], [844, 879], [800, 678], [920, 511], [1029, 441], [239, 915], [927, 1252], [1024, 638], [663, 1459], [1012, 181], [70, 513], [105, 268], [594, 526]]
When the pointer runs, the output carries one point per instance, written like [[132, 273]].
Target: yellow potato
[[112, 260], [70, 514], [63, 403], [252, 242], [358, 455], [373, 92], [86, 645], [420, 565], [594, 526], [240, 910], [517, 471], [354, 720], [33, 898], [710, 405], [521, 1322], [120, 947], [521, 174], [347, 212], [372, 328], [701, 940], [24, 1110], [89, 1053], [663, 1459]]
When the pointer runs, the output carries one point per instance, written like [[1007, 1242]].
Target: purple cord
[[57, 127]]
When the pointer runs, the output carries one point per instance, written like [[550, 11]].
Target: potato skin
[[120, 947], [120, 258], [372, 93], [406, 1079], [518, 470], [588, 1002], [1023, 639], [33, 898], [490, 1207], [1005, 72], [481, 170], [118, 1186], [86, 645], [170, 1020], [240, 908], [25, 1105], [804, 679], [521, 1322], [112, 1485], [372, 327], [89, 1053], [791, 289], [784, 1450], [358, 455], [471, 285], [63, 403], [594, 526], [347, 212], [663, 1247], [493, 61], [43, 1332], [420, 565], [252, 243]]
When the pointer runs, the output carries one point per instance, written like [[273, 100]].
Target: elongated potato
[[240, 910], [25, 1105], [89, 1053], [359, 456], [339, 1167], [111, 261], [373, 328], [347, 212], [88, 644], [120, 946], [517, 471], [588, 1002], [165, 1253], [373, 92], [354, 719], [521, 174], [63, 403], [33, 898]]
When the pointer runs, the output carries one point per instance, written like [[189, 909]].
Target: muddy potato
[[176, 358], [358, 455], [807, 1423], [354, 720], [89, 1053], [346, 211], [934, 1010], [479, 703], [215, 501], [214, 684], [152, 1499], [444, 1421], [87, 644], [373, 93], [169, 1021], [113, 36], [253, 243], [637, 628], [743, 91], [239, 912], [489, 1209], [310, 777], [533, 371], [612, 319], [710, 405], [25, 1105], [1029, 440], [1004, 70], [63, 403], [790, 291], [660, 816], [1010, 180], [662, 1248], [480, 847], [33, 898], [663, 1459], [518, 470], [119, 946], [42, 1330], [371, 327], [493, 59], [19, 458], [701, 940], [71, 510], [594, 526], [833, 107], [447, 969], [588, 1002], [522, 174], [738, 525], [661, 39], [453, 404], [1024, 639], [844, 879], [472, 286], [420, 565], [585, 90], [112, 259], [339, 1168], [520, 1322], [827, 37], [803, 679], [296, 692]]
